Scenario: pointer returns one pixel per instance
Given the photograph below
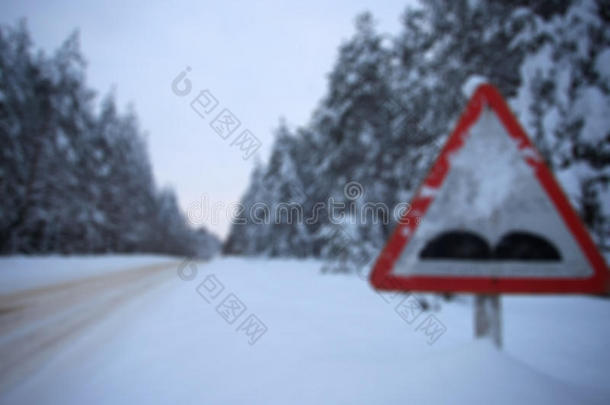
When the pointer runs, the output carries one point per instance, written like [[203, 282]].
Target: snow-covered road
[[255, 331], [35, 323]]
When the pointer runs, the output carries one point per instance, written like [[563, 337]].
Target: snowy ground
[[140, 333]]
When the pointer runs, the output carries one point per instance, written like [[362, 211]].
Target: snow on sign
[[490, 218]]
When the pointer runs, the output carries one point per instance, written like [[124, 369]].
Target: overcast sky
[[260, 59]]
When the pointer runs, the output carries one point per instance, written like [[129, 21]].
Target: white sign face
[[491, 217]]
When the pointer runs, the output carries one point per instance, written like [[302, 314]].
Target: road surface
[[35, 323]]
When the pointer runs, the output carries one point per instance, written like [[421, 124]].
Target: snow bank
[[471, 84], [330, 340]]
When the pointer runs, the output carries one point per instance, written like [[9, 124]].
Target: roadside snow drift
[[189, 337]]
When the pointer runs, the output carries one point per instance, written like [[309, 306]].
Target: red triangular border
[[381, 276]]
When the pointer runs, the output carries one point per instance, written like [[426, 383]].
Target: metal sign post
[[488, 318]]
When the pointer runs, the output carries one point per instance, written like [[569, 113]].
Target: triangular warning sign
[[490, 218]]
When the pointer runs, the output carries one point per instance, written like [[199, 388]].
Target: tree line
[[391, 101], [75, 175]]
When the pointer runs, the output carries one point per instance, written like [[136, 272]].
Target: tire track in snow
[[35, 323]]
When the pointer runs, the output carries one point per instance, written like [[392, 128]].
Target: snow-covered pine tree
[[390, 105], [73, 180], [564, 102]]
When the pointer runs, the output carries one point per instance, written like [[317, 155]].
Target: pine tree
[[390, 104], [74, 181]]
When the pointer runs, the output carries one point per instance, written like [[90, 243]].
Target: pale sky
[[261, 59]]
